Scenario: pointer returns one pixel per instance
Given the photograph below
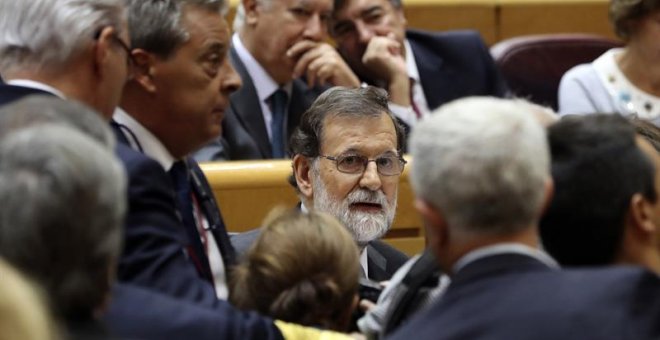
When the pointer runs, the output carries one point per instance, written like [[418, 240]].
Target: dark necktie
[[415, 108], [180, 175], [278, 101]]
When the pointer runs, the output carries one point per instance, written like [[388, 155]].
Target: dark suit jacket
[[189, 236], [513, 296], [454, 64], [184, 307], [382, 259], [137, 313], [154, 238], [244, 134]]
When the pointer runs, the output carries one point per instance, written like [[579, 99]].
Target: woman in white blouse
[[622, 80]]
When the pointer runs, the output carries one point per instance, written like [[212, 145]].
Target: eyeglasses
[[126, 48], [129, 56], [390, 165]]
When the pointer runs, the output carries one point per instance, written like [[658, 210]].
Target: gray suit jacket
[[382, 259], [244, 134]]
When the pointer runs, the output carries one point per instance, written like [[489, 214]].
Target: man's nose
[[315, 28], [364, 32], [370, 178], [231, 81]]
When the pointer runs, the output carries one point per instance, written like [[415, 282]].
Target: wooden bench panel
[[247, 190], [524, 17]]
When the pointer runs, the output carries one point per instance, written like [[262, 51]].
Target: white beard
[[363, 226]]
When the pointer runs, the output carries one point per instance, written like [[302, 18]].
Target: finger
[[324, 74], [300, 48], [303, 63], [366, 305]]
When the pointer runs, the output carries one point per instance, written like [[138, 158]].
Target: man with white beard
[[347, 161]]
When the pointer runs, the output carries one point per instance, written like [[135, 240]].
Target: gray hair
[[155, 25], [45, 34], [43, 109], [483, 162], [63, 201]]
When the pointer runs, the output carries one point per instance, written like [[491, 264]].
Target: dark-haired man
[[420, 70], [607, 180]]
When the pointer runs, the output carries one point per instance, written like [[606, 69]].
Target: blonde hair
[[23, 313], [302, 268]]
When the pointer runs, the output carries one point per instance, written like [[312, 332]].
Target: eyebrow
[[215, 46], [353, 150], [370, 10]]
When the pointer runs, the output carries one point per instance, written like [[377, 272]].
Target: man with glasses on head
[[347, 162], [44, 52]]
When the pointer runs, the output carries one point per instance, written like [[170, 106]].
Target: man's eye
[[350, 160], [373, 17], [341, 29], [301, 12], [386, 162]]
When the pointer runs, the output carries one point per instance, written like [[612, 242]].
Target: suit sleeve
[[137, 313]]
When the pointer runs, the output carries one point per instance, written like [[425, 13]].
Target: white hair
[[47, 33], [64, 199], [483, 162]]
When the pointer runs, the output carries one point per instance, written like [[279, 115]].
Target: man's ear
[[143, 69], [251, 12], [302, 170], [437, 232], [642, 215], [549, 187], [104, 42]]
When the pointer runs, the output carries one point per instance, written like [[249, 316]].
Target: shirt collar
[[36, 85], [411, 66], [504, 248], [150, 144], [263, 83]]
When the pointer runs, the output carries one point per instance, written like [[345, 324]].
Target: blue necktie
[[278, 101]]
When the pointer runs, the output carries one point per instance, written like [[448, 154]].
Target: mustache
[[367, 196]]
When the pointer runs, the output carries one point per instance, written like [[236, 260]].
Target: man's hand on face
[[321, 64], [384, 58]]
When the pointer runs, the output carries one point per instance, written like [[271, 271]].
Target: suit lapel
[[377, 264], [245, 104], [439, 83]]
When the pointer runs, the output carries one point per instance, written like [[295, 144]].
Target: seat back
[[533, 65]]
